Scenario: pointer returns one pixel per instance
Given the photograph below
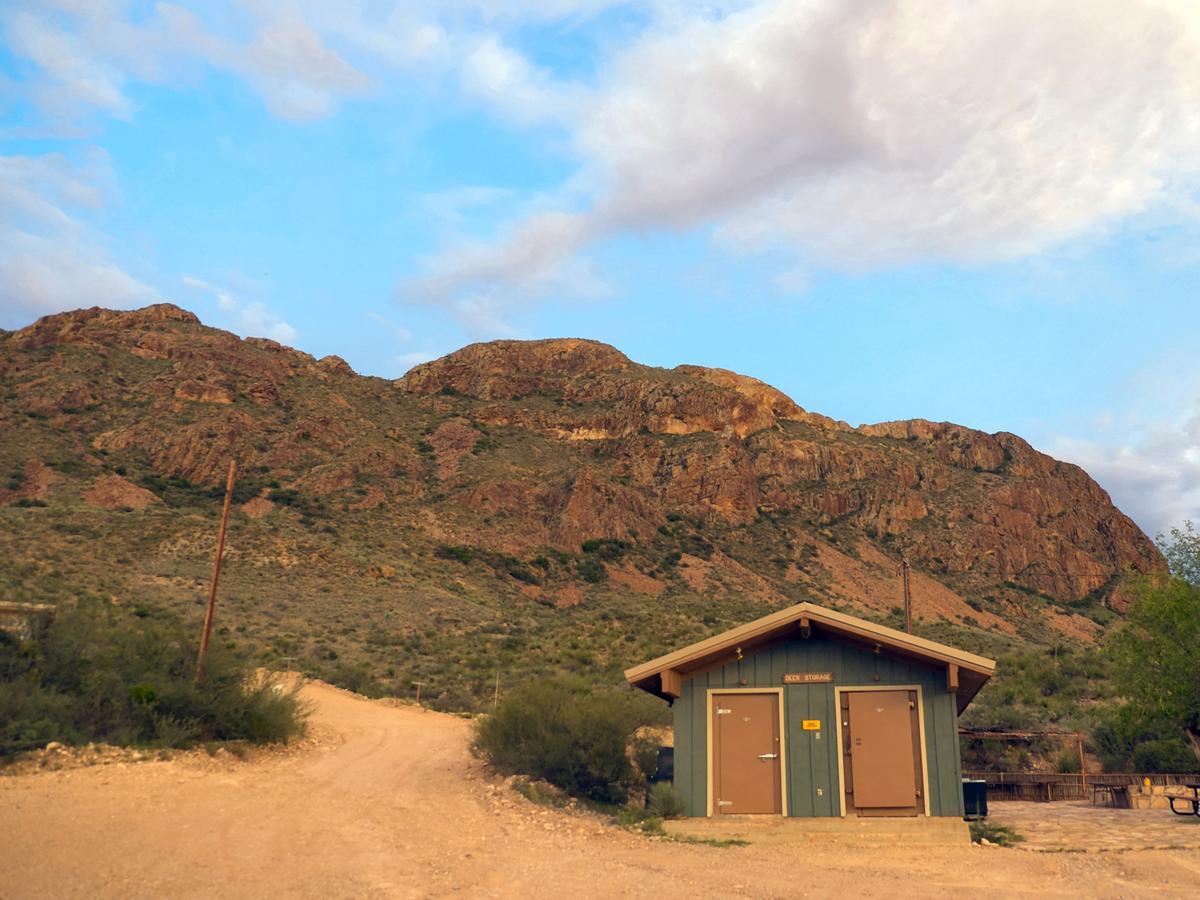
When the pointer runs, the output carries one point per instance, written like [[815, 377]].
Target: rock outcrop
[[703, 479]]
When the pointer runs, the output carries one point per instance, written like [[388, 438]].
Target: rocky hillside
[[540, 504]]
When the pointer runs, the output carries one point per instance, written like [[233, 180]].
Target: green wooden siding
[[812, 764]]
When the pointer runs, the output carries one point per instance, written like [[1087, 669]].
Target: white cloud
[[406, 361], [256, 320], [40, 276], [399, 332], [225, 300], [1145, 448], [86, 53], [1153, 476], [481, 287], [51, 260], [73, 79], [304, 59], [249, 319], [874, 134], [298, 77], [512, 86], [455, 207]]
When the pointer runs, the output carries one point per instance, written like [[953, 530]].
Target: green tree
[[1156, 656], [1182, 550]]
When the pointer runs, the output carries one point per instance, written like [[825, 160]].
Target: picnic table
[[1193, 799]]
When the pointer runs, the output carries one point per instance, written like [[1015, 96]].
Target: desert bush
[[644, 751], [1129, 742], [605, 548], [102, 673], [354, 677], [664, 801], [1170, 754], [456, 552], [1066, 762], [563, 733], [591, 570]]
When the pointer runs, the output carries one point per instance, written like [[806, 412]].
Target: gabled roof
[[966, 673]]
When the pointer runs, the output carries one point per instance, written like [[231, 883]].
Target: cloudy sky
[[982, 211]]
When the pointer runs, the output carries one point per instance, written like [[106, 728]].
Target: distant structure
[[809, 712], [26, 621]]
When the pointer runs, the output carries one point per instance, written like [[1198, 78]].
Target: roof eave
[[898, 640]]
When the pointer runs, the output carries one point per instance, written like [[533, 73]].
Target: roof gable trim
[[834, 621]]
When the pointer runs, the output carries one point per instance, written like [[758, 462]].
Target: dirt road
[[387, 802]]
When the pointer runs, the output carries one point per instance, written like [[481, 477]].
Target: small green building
[[811, 712]]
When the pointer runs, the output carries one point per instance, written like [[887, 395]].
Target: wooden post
[[216, 573], [904, 567], [496, 696], [418, 684], [672, 683], [1082, 761]]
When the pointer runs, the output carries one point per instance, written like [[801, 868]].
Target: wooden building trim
[[762, 629], [672, 684]]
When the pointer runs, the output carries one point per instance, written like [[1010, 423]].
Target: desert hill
[[516, 506]]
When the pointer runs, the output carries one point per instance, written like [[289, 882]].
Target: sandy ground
[[1082, 826], [387, 801]]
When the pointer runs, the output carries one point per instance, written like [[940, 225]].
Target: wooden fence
[[1050, 786]]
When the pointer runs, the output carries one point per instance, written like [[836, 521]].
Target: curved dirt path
[[387, 801]]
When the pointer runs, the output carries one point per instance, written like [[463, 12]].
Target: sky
[[983, 212]]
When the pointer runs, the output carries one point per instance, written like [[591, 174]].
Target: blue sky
[[984, 213]]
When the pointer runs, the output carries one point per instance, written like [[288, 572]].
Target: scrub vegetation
[[382, 536], [104, 673], [573, 737], [1156, 667], [1135, 696], [1001, 835]]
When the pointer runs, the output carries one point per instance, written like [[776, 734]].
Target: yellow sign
[[812, 724]]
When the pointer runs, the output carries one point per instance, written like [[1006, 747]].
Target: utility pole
[[904, 567], [216, 573], [418, 685]]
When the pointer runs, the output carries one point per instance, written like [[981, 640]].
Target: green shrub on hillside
[[591, 570], [102, 673], [559, 731]]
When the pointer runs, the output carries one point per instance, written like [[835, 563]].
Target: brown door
[[747, 758], [881, 742]]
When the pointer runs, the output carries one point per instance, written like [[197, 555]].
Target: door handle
[[768, 756]]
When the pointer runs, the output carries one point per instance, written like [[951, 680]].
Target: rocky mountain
[[513, 494]]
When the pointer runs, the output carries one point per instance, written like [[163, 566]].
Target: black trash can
[[974, 798]]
